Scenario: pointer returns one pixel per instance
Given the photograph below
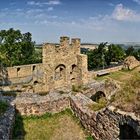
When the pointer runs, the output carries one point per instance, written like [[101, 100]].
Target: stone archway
[[127, 132], [97, 96], [60, 72], [73, 74]]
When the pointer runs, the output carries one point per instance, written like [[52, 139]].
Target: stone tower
[[63, 65]]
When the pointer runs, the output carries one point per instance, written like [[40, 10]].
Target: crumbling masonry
[[64, 65]]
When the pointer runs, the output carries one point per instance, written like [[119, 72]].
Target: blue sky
[[90, 20]]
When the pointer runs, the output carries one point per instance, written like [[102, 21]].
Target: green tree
[[130, 51], [96, 57], [115, 53], [16, 48], [103, 55]]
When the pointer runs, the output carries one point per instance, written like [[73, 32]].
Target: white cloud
[[51, 2], [125, 14], [33, 3], [50, 8], [110, 4], [137, 1]]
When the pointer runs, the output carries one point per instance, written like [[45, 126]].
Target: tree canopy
[[104, 54], [131, 51], [16, 48]]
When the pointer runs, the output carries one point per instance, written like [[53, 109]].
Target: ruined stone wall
[[105, 123], [107, 87], [38, 105], [25, 73]]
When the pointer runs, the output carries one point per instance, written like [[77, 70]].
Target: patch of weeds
[[3, 107], [89, 138], [34, 117], [85, 88], [102, 102], [79, 88], [43, 93], [112, 98], [9, 93], [48, 115], [61, 92], [75, 88]]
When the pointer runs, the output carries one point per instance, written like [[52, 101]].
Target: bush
[[89, 138], [3, 107]]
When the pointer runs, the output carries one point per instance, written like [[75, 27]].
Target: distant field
[[61, 126]]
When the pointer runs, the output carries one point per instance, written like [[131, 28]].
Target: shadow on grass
[[18, 128]]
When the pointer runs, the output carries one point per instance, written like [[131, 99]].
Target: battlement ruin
[[64, 65]]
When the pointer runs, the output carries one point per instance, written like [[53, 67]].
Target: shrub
[[89, 138], [3, 107]]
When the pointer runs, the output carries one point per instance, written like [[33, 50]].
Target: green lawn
[[60, 126], [121, 75]]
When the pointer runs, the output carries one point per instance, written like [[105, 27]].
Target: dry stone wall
[[33, 104], [102, 124], [105, 123]]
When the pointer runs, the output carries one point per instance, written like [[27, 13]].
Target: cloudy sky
[[90, 20]]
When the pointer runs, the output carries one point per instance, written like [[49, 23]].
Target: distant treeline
[[106, 55]]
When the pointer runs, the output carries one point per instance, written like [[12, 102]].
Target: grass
[[119, 76], [128, 97], [60, 126], [79, 88], [89, 138], [3, 107], [102, 102]]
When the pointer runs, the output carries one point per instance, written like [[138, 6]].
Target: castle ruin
[[62, 66]]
